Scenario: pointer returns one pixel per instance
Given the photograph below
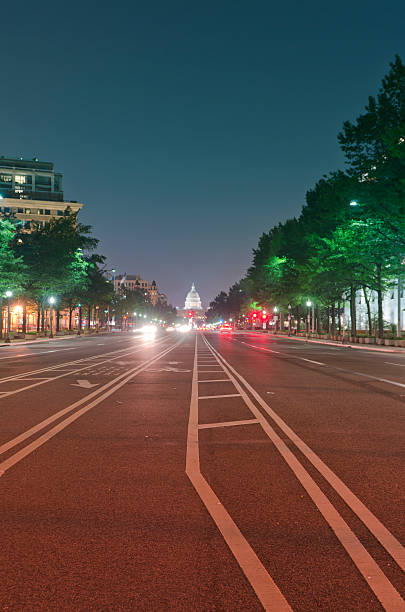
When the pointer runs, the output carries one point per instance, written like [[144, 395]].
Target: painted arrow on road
[[84, 384]]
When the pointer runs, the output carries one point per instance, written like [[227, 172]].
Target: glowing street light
[[354, 203], [51, 301]]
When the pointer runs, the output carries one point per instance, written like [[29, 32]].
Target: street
[[201, 472]]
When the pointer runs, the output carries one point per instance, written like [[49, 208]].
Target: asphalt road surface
[[201, 472]]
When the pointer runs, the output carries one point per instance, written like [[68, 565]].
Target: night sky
[[187, 129]]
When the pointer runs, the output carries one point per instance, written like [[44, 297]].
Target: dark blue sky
[[188, 129]]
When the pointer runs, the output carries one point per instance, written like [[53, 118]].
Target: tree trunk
[[38, 318], [339, 315], [1, 317], [328, 320], [70, 318], [42, 318], [57, 328], [380, 303], [333, 320], [370, 322], [399, 309], [89, 315], [353, 322], [24, 322]]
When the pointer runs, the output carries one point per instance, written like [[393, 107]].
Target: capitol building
[[193, 300], [192, 303]]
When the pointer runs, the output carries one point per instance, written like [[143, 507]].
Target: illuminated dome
[[193, 301]]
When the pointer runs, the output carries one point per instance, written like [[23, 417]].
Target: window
[[20, 210], [43, 183], [27, 225], [6, 209], [40, 211], [6, 180], [47, 212], [28, 211], [23, 179], [60, 213]]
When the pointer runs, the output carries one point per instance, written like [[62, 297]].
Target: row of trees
[[60, 260], [350, 235]]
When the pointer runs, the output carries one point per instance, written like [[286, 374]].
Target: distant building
[[193, 301], [131, 282], [31, 191], [192, 305]]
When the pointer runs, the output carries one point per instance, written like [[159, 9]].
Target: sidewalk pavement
[[54, 339]]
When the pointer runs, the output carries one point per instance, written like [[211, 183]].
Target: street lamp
[[275, 310], [8, 296], [309, 304], [79, 331], [354, 203], [51, 302]]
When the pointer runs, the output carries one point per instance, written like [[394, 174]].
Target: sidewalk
[[47, 339], [348, 345]]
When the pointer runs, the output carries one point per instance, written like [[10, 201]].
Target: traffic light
[[254, 315], [190, 314]]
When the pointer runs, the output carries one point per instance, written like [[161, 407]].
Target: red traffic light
[[190, 314], [254, 315], [264, 317]]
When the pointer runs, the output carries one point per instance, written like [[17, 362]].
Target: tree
[[13, 272]]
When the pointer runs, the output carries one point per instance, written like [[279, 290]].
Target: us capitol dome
[[193, 300]]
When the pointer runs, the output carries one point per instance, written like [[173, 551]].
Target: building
[[193, 301], [131, 282], [31, 191], [192, 305]]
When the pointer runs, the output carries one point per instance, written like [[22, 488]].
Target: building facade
[[31, 192], [132, 282]]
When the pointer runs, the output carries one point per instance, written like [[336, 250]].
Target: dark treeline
[[59, 261], [350, 235]]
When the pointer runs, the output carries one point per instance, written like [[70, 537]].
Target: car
[[226, 328]]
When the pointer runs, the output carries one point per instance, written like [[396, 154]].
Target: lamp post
[[79, 331], [8, 296], [289, 319], [343, 321], [309, 304], [275, 310], [51, 302]]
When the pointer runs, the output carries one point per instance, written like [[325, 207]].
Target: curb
[[345, 345], [54, 339]]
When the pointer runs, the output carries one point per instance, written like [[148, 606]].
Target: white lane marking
[[402, 365], [262, 583], [385, 380], [366, 564], [311, 361], [215, 380], [211, 371], [227, 423], [121, 380], [262, 348], [22, 377], [373, 524], [217, 396], [84, 384]]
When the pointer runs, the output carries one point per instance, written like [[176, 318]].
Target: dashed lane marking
[[217, 396], [215, 380], [311, 361], [227, 423]]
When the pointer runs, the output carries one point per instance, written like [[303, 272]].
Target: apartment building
[[31, 191]]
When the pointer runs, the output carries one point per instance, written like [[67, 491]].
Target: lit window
[[28, 211]]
